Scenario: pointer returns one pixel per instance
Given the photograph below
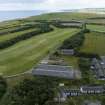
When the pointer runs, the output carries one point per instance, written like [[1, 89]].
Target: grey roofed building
[[72, 24], [70, 92], [103, 62], [92, 103], [98, 68], [55, 71], [67, 51], [64, 93], [92, 89]]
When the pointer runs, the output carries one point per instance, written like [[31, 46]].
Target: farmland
[[24, 55], [13, 35], [94, 43], [99, 28], [64, 16]]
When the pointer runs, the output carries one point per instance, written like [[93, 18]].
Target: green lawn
[[94, 43], [100, 28], [71, 61], [13, 35], [24, 55]]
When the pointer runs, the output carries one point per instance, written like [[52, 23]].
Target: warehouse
[[56, 71], [92, 103], [67, 51]]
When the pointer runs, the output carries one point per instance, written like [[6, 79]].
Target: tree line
[[3, 86], [17, 29]]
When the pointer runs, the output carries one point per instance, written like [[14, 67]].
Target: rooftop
[[92, 103], [55, 71]]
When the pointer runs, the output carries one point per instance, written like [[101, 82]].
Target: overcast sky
[[51, 5]]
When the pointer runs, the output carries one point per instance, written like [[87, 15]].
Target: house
[[67, 51], [92, 103], [64, 93], [92, 89], [98, 67], [71, 92], [55, 71]]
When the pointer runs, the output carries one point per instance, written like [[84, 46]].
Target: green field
[[94, 43], [100, 28], [16, 34], [71, 61], [65, 16], [24, 55], [97, 21]]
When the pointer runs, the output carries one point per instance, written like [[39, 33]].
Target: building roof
[[55, 71], [103, 61], [92, 88], [99, 70], [92, 103], [67, 51], [71, 24], [69, 92]]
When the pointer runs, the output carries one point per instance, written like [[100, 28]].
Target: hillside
[[65, 16], [24, 54], [25, 42]]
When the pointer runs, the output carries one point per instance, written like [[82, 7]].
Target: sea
[[10, 15]]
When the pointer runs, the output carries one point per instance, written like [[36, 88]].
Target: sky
[[50, 5]]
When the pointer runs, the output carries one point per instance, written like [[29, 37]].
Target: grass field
[[98, 21], [71, 61], [65, 16], [16, 34], [100, 28], [24, 55], [94, 43]]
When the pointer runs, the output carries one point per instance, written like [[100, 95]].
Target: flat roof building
[[92, 103], [56, 71], [67, 51]]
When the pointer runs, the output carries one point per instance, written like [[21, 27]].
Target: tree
[[32, 92], [3, 86]]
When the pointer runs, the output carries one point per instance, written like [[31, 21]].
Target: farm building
[[71, 23], [70, 92], [92, 103], [103, 62], [67, 51], [56, 71], [98, 66], [64, 93], [92, 89]]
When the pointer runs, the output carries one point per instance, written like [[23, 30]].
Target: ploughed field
[[25, 54]]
